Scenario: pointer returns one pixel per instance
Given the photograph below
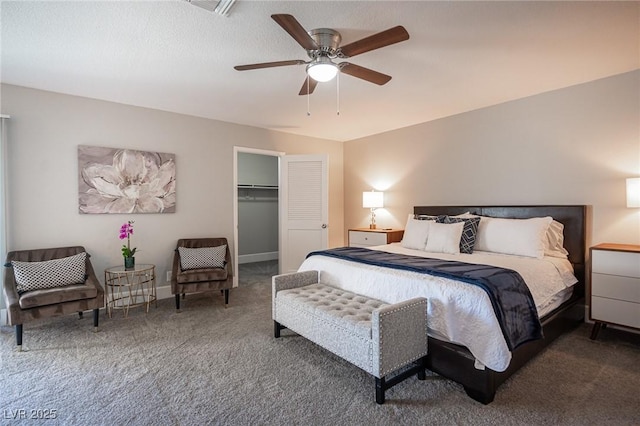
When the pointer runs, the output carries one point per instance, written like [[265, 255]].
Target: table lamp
[[372, 200]]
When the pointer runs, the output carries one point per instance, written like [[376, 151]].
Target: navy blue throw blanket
[[510, 297]]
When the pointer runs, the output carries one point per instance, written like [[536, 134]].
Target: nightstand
[[615, 286], [365, 237]]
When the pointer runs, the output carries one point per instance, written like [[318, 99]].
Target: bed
[[480, 369]]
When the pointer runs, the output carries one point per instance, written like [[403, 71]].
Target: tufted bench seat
[[378, 337]]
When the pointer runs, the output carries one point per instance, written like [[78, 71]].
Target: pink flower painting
[[125, 181]]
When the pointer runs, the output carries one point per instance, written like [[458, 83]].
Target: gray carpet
[[211, 365]]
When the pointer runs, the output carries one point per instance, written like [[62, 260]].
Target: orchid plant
[[126, 230]]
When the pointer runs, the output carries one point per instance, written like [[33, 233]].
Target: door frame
[[236, 150]]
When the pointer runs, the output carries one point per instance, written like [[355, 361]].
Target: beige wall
[[45, 130], [571, 146]]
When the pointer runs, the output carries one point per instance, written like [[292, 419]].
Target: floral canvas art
[[115, 180]]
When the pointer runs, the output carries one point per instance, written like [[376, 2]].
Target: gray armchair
[[34, 304], [197, 277]]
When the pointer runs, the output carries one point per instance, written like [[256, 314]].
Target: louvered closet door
[[304, 210]]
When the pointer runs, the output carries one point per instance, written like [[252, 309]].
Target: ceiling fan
[[323, 46]]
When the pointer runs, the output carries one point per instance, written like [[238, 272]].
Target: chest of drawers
[[615, 286]]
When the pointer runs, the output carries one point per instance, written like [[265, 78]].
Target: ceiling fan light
[[323, 71]]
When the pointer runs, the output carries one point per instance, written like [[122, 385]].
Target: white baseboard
[[257, 257], [164, 292]]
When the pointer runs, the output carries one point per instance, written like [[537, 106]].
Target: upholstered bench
[[378, 337]]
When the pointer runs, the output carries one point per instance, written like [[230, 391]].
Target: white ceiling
[[174, 56]]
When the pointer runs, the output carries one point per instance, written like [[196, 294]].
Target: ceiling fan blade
[[268, 65], [308, 86], [375, 41], [295, 30], [364, 73]]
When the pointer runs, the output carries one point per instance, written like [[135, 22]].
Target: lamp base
[[372, 226]]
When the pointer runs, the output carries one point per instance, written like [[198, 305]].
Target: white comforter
[[457, 312]]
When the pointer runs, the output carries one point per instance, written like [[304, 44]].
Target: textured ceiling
[[174, 56]]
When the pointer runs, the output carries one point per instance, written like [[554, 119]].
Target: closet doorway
[[256, 214]]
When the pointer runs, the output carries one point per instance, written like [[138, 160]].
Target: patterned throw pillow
[[53, 273], [429, 217], [469, 232], [203, 257]]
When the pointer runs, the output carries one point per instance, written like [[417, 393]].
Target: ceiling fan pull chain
[[338, 94], [308, 97]]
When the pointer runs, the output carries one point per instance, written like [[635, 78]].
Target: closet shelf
[[257, 199], [257, 193], [243, 186]]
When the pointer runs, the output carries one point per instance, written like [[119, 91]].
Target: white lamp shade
[[633, 192], [372, 199]]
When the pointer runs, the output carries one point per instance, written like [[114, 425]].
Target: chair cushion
[[203, 257], [48, 274], [201, 275], [53, 296]]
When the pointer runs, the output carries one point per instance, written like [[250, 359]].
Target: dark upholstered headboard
[[572, 217]]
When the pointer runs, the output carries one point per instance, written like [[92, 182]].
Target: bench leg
[[422, 375], [382, 384], [380, 388], [422, 363], [226, 297], [178, 302], [276, 329]]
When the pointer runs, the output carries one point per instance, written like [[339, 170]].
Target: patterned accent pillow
[[429, 217], [202, 257], [53, 273], [469, 232]]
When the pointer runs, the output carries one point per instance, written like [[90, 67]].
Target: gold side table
[[126, 288]]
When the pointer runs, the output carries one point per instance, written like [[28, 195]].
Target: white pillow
[[521, 237], [415, 233], [555, 241], [202, 257], [444, 237]]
